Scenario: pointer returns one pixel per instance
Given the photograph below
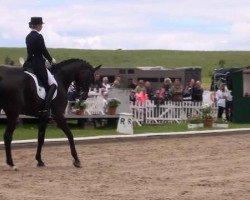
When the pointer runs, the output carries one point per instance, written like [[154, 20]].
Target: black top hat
[[36, 21]]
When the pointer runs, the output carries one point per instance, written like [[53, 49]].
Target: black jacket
[[36, 47]]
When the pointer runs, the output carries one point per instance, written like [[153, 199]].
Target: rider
[[37, 52]]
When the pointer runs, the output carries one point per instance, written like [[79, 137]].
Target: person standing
[[37, 52], [197, 92], [221, 97]]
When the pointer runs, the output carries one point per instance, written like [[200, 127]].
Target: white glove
[[47, 64], [53, 61]]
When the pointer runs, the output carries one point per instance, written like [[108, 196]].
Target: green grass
[[208, 60], [29, 131]]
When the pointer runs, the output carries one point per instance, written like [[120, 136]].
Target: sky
[[214, 25]]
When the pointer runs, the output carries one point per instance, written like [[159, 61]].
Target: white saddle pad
[[40, 90]]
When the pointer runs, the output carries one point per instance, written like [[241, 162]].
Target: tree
[[8, 61], [222, 63]]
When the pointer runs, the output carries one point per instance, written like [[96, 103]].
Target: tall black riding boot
[[44, 114]]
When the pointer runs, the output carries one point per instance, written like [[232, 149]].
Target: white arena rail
[[170, 111]]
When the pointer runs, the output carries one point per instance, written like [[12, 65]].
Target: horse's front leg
[[41, 135], [61, 122]]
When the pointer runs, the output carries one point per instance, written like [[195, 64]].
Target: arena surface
[[196, 167]]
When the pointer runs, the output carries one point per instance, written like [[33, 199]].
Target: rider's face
[[38, 27]]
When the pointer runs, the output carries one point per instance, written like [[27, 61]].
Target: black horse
[[18, 96]]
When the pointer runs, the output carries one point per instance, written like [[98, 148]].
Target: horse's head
[[77, 70], [84, 78]]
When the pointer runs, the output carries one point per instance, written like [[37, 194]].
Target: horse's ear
[[96, 68]]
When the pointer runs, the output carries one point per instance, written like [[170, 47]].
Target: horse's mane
[[57, 67]]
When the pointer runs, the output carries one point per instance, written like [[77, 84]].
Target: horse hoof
[[77, 164], [14, 168], [40, 164]]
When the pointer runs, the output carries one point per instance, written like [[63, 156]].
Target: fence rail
[[170, 111]]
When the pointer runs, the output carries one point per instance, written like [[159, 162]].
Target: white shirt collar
[[34, 30]]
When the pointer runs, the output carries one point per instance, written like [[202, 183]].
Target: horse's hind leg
[[11, 125], [61, 122], [41, 135]]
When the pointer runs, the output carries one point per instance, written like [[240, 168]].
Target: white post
[[125, 123]]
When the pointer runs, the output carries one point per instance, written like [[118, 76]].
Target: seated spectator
[[133, 84], [167, 84], [119, 80], [97, 83], [149, 90], [187, 92], [163, 93], [132, 97], [176, 91], [141, 97], [116, 84], [105, 83], [197, 92], [74, 92], [158, 98], [140, 87]]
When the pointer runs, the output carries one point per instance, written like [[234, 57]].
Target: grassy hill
[[208, 60]]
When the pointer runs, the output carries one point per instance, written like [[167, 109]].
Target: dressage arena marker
[[33, 142]]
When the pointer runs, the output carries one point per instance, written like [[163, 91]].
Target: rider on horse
[[37, 52]]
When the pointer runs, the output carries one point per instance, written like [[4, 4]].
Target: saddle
[[41, 92]]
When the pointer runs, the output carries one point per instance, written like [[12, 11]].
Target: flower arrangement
[[206, 112], [113, 102], [195, 119], [195, 122], [80, 105]]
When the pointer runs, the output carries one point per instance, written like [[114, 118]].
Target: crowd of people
[[141, 91], [169, 91]]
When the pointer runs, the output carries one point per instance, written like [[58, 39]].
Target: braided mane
[[58, 67]]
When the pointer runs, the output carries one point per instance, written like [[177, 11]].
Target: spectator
[[142, 96], [116, 84], [105, 101], [229, 105], [119, 80], [163, 93], [105, 83], [133, 84], [158, 98], [187, 92], [176, 91], [167, 84], [197, 92], [140, 87], [132, 97], [221, 97], [97, 83], [74, 92], [149, 90]]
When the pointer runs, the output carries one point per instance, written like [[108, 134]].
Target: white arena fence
[[147, 113], [170, 111]]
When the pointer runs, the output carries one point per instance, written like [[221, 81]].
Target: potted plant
[[207, 115], [112, 104], [195, 122], [80, 107], [220, 123]]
